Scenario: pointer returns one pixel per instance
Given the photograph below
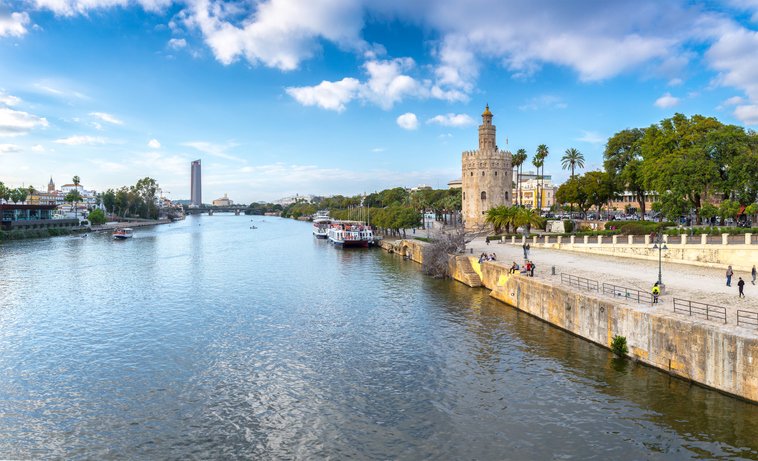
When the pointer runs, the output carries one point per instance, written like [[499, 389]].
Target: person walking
[[656, 293], [754, 273], [525, 250], [740, 287], [729, 274]]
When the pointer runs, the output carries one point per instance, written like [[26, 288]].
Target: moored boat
[[350, 234], [123, 233], [321, 223]]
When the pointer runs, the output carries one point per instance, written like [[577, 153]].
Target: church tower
[[487, 176], [51, 186]]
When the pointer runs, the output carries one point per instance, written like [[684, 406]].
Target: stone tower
[[487, 176], [51, 186]]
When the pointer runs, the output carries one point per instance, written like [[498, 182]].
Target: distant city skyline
[[285, 97]]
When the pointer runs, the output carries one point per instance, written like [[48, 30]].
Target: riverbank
[[109, 226], [720, 356]]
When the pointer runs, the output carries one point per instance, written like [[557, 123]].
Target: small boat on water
[[350, 234], [321, 224], [123, 233]]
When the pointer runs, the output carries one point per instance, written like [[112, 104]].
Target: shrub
[[96, 217], [618, 345], [568, 226]]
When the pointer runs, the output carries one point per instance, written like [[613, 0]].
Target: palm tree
[[543, 153], [31, 192], [571, 159], [527, 219], [518, 161], [77, 196], [501, 216]]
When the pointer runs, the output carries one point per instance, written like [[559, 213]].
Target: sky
[[284, 97]]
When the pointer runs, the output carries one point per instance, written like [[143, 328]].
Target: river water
[[207, 339]]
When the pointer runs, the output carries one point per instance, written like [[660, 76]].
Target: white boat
[[321, 223], [350, 234], [123, 233]]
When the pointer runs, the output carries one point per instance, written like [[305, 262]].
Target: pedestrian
[[656, 293], [754, 273], [740, 287], [528, 247], [729, 274], [524, 248], [531, 269], [487, 239]]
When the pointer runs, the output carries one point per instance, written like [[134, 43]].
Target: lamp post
[[660, 245]]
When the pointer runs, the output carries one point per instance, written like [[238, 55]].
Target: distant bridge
[[237, 210]]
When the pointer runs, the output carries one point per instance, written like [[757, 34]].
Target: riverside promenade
[[598, 297], [685, 282]]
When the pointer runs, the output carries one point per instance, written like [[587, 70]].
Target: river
[[209, 339]]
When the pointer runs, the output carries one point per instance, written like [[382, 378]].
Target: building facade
[[196, 188], [223, 201], [530, 192], [487, 176]]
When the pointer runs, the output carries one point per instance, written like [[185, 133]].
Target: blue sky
[[279, 97]]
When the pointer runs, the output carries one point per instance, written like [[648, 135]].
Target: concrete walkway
[[687, 282]]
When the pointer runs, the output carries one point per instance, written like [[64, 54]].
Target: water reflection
[[208, 339]]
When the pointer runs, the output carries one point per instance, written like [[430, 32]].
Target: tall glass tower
[[196, 186]]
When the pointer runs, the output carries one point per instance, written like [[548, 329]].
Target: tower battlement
[[487, 175]]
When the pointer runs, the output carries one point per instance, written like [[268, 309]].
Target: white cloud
[[177, 43], [545, 101], [9, 148], [386, 85], [666, 101], [8, 100], [216, 150], [675, 82], [276, 33], [38, 148], [327, 95], [106, 118], [408, 121], [378, 149], [733, 101], [14, 24], [81, 141], [83, 7], [591, 137], [748, 114], [16, 123], [154, 144], [458, 120]]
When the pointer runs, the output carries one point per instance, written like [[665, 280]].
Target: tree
[[681, 161], [518, 160], [527, 219], [539, 162], [74, 197], [31, 191], [623, 161], [96, 217], [501, 217], [4, 192], [572, 158], [572, 192], [598, 187], [18, 194]]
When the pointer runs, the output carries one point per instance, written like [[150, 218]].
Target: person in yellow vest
[[656, 293]]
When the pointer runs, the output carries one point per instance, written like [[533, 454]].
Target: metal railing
[[747, 318], [631, 294], [580, 282], [709, 311]]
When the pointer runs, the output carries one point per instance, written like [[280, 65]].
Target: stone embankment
[[714, 355]]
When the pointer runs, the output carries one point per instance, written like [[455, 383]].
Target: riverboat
[[123, 233], [321, 223], [350, 234]]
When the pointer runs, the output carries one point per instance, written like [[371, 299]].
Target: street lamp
[[660, 245]]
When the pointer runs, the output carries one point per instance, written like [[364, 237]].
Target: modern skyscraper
[[196, 186]]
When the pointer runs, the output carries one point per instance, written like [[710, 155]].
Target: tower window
[[506, 195], [482, 173], [472, 173], [496, 173], [484, 195], [464, 196]]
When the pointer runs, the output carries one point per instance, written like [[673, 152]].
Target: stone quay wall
[[713, 355]]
